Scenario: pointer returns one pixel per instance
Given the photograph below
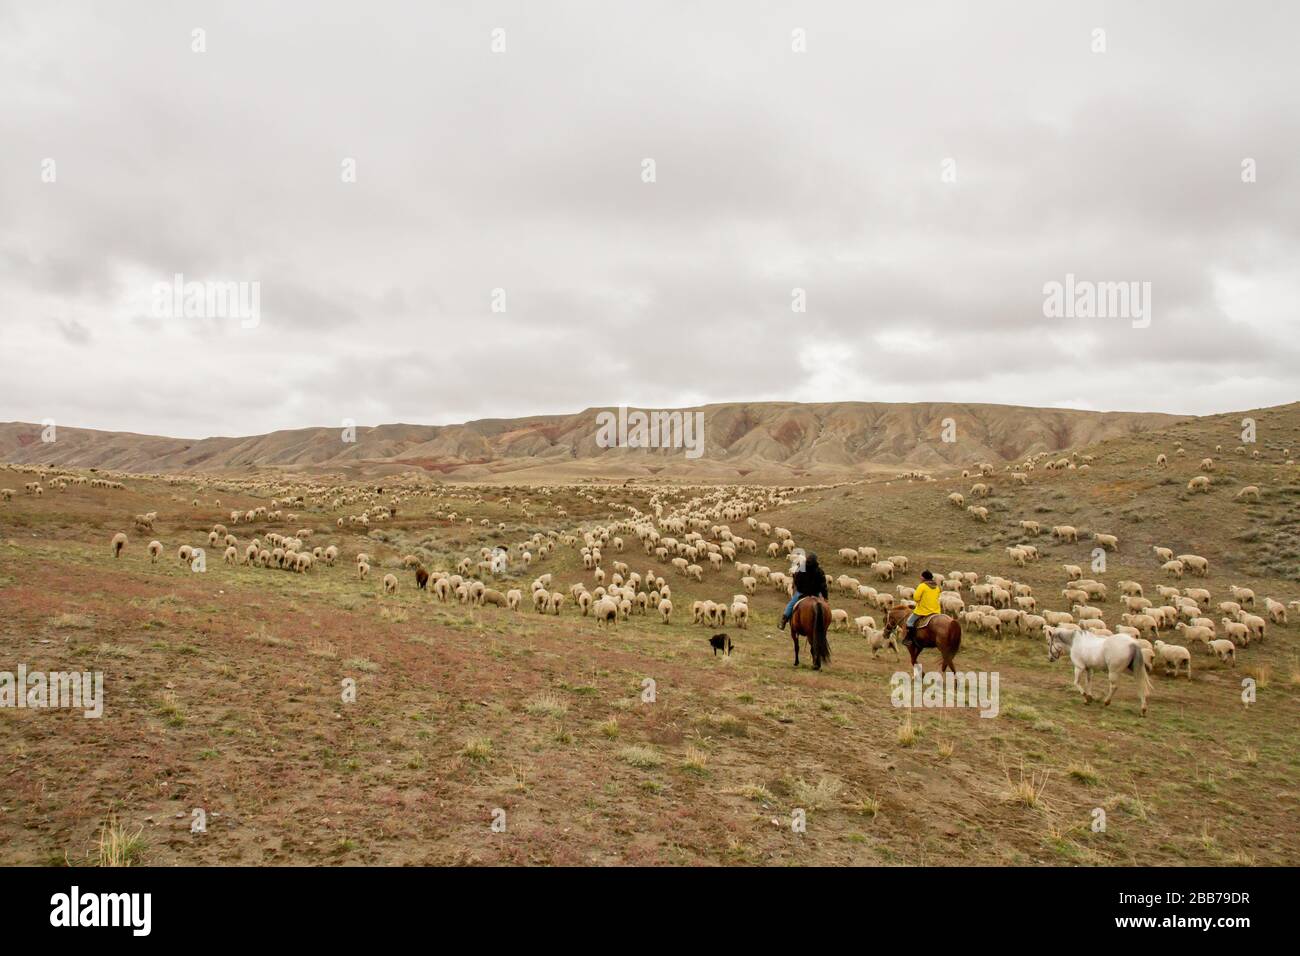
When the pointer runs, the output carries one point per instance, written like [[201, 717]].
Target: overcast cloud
[[522, 170]]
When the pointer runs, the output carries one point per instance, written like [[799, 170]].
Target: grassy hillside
[[223, 688]]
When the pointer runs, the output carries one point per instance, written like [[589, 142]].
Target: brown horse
[[942, 632], [811, 618]]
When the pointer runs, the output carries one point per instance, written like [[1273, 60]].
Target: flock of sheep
[[688, 532]]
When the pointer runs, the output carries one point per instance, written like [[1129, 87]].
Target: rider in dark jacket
[[809, 581]]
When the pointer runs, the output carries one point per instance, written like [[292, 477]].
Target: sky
[[461, 210]]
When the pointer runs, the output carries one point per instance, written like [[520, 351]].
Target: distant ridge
[[768, 440]]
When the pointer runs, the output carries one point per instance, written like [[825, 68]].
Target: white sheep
[[1173, 655], [1226, 650]]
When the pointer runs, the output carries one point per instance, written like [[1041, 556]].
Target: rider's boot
[[784, 620], [910, 639]]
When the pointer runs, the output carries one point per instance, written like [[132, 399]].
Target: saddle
[[924, 622]]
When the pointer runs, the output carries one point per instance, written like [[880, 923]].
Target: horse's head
[[1054, 644]]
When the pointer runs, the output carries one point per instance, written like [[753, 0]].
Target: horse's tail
[[1141, 670], [821, 647]]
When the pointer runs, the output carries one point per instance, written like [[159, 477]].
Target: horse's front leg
[[915, 652], [1083, 688]]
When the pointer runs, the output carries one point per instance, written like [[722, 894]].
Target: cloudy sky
[[920, 170]]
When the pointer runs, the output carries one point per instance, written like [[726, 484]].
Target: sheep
[[1162, 461], [1196, 564], [1242, 596], [1276, 610], [1030, 527], [740, 614], [884, 570], [850, 555], [390, 583], [1065, 532], [1173, 568], [839, 619], [665, 609], [1236, 629], [605, 611], [1254, 625], [877, 640], [557, 599], [1226, 650], [979, 512], [1195, 632], [155, 551], [1173, 655], [495, 598], [1163, 554], [118, 543], [1199, 483], [956, 499], [1074, 571], [1207, 464], [363, 569], [1249, 491], [1143, 622], [1108, 542], [231, 555], [513, 598]]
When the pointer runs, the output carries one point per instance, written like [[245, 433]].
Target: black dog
[[721, 642]]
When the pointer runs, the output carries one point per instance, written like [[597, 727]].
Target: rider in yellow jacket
[[926, 597]]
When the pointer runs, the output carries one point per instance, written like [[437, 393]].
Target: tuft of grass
[[117, 846], [1027, 790], [321, 648], [816, 796], [908, 732], [868, 807], [609, 728], [478, 749], [696, 760], [79, 621], [1082, 772], [547, 704], [753, 791], [640, 756], [170, 709]]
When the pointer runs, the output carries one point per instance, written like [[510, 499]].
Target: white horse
[[1114, 652]]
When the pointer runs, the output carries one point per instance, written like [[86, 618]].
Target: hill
[[741, 442]]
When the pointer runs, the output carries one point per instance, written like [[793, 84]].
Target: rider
[[809, 581], [926, 597]]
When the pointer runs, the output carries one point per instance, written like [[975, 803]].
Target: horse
[[941, 632], [1115, 652], [811, 618]]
